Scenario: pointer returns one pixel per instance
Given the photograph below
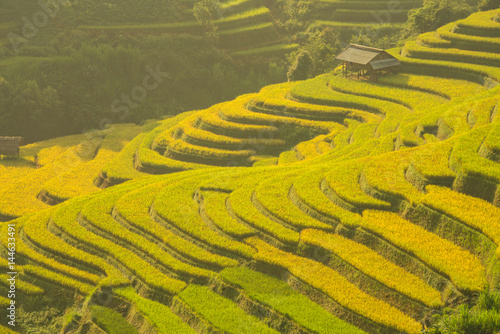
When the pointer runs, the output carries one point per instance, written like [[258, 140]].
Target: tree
[[29, 111], [489, 4], [434, 14], [302, 68], [316, 55], [293, 12], [206, 12]]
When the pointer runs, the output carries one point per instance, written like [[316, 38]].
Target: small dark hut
[[10, 145], [366, 60]]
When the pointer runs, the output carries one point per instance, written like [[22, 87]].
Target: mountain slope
[[389, 213]]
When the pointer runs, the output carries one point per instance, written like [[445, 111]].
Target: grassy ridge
[[36, 230], [274, 196], [344, 181], [137, 265], [472, 211]]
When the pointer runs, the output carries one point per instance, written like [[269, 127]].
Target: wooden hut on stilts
[[364, 60]]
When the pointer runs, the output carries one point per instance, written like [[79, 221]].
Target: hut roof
[[365, 55], [359, 54], [384, 63]]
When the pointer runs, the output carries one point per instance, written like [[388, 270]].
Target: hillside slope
[[368, 207]]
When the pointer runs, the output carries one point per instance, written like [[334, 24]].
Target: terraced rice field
[[245, 29], [372, 17], [249, 30], [322, 206]]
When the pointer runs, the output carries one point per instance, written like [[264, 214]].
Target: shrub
[[489, 301], [483, 318], [302, 68], [267, 51], [488, 4], [434, 14], [206, 12]]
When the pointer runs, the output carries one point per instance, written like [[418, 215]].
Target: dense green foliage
[[87, 86], [302, 68], [434, 14], [482, 318], [206, 12]]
